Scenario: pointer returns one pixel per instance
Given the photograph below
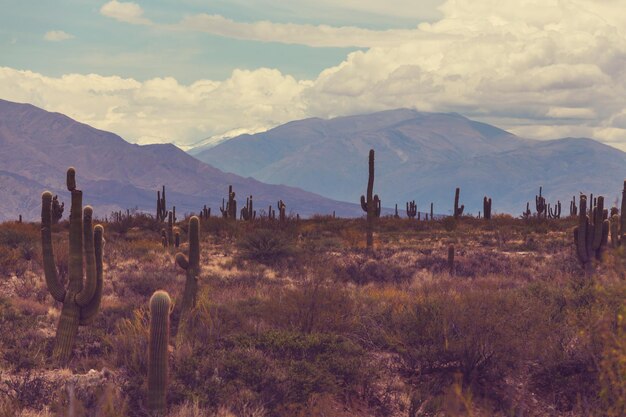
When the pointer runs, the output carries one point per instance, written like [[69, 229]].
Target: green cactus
[[191, 265], [487, 208], [56, 210], [371, 203], [591, 234], [248, 213], [451, 259], [458, 211], [281, 210], [271, 213], [161, 211], [431, 211], [230, 210], [411, 209], [160, 308], [177, 238], [556, 212], [573, 208], [622, 229], [81, 299], [540, 205], [170, 229]]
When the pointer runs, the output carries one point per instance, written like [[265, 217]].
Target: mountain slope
[[422, 156], [38, 146]]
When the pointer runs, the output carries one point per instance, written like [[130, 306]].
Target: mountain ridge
[[421, 156], [38, 146]]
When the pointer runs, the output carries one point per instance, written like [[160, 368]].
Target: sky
[[182, 71]]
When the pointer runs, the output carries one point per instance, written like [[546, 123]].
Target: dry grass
[[298, 319]]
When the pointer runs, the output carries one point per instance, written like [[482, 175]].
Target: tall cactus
[[371, 203], [160, 307], [170, 229], [527, 213], [458, 211], [573, 208], [56, 210], [614, 227], [282, 208], [411, 209], [248, 213], [191, 265], [230, 210], [591, 234], [431, 211], [81, 299], [487, 208], [161, 211], [622, 230], [540, 205]]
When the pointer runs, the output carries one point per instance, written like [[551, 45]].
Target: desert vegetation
[[281, 316]]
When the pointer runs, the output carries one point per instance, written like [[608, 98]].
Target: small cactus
[[81, 299], [229, 211], [56, 210], [160, 308], [527, 213], [170, 229], [573, 208], [555, 213], [191, 265], [431, 211], [458, 211], [247, 212]]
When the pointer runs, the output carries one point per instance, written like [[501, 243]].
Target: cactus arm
[[160, 306], [85, 295], [88, 312], [49, 267], [181, 261]]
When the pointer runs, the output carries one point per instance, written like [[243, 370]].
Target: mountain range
[[38, 146], [424, 157]]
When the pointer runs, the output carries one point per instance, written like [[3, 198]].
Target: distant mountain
[[37, 146], [422, 156]]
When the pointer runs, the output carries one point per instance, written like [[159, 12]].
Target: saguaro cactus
[[191, 265], [230, 210], [56, 210], [555, 213], [81, 299], [623, 216], [160, 307], [591, 234], [431, 211], [487, 208], [170, 229], [282, 208], [161, 211], [411, 209], [458, 211], [573, 208], [371, 205], [247, 212], [527, 213], [540, 204], [451, 259]]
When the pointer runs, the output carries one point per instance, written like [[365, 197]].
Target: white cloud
[[57, 36], [128, 12], [301, 34], [540, 68]]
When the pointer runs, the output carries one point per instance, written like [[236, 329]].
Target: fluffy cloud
[[540, 68], [162, 110], [57, 36], [125, 12]]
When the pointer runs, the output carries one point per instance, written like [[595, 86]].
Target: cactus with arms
[[411, 209], [458, 211], [191, 265], [160, 307], [371, 203], [591, 234], [81, 298], [282, 208], [487, 208]]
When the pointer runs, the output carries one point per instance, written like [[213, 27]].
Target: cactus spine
[[160, 307], [281, 210], [411, 209], [458, 211], [81, 299], [191, 265], [372, 205], [591, 234]]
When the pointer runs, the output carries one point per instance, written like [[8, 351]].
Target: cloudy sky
[[185, 70]]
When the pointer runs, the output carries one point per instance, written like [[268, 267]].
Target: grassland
[[297, 318]]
